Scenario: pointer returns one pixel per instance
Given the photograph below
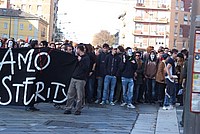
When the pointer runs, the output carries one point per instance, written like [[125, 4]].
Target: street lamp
[[10, 21]]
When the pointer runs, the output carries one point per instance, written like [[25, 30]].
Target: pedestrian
[[160, 79], [91, 77], [52, 45], [112, 62], [139, 79], [100, 71], [183, 77], [30, 107], [128, 67], [170, 81], [150, 70], [78, 81], [118, 90]]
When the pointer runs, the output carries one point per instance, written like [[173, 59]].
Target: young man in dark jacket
[[112, 62], [100, 71], [78, 81], [128, 67]]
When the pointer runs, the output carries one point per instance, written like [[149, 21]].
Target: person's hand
[[79, 58], [90, 73]]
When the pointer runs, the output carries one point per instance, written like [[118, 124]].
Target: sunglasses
[[137, 55]]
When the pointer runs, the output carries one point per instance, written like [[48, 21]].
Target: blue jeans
[[90, 88], [99, 87], [151, 83], [127, 86], [171, 91], [107, 81]]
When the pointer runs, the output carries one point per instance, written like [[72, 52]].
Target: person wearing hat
[[160, 79]]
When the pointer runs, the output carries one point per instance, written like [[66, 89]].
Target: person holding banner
[[78, 81], [31, 107]]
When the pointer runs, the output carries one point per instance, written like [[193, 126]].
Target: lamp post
[[10, 23]]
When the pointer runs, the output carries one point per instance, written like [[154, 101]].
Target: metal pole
[[192, 120], [9, 26]]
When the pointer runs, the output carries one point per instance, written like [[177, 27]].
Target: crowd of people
[[114, 74]]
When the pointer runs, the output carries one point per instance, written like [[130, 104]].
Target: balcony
[[150, 34], [153, 20], [162, 7]]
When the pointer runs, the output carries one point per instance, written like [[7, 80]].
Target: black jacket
[[112, 65], [100, 64], [82, 69], [128, 68]]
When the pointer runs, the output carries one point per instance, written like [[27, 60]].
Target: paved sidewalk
[[167, 122], [98, 119]]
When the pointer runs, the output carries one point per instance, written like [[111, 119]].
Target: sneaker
[[165, 108], [112, 103], [130, 106], [77, 113], [102, 103], [97, 101], [171, 107], [115, 101], [107, 102], [123, 104], [67, 112]]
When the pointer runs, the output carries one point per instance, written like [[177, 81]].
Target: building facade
[[161, 23], [45, 9], [21, 25], [4, 3]]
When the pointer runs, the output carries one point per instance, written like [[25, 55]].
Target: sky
[[81, 19]]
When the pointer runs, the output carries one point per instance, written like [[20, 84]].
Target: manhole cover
[[66, 124]]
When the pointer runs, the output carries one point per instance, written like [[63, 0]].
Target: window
[[43, 33], [175, 30], [161, 15], [176, 18], [140, 13], [21, 26], [181, 32], [23, 6], [30, 27], [185, 19], [161, 28], [138, 39], [174, 42], [138, 26], [184, 44], [5, 25], [29, 8], [39, 8], [160, 41], [177, 7], [140, 1], [182, 6], [21, 37], [4, 36], [162, 2]]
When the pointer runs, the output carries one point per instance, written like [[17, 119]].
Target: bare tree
[[103, 37]]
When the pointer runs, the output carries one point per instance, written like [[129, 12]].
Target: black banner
[[34, 75]]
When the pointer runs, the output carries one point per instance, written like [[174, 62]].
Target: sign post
[[192, 102]]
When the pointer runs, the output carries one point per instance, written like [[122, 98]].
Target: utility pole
[[192, 101]]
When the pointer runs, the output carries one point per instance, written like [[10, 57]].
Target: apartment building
[[4, 3], [160, 23], [45, 9], [21, 25]]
